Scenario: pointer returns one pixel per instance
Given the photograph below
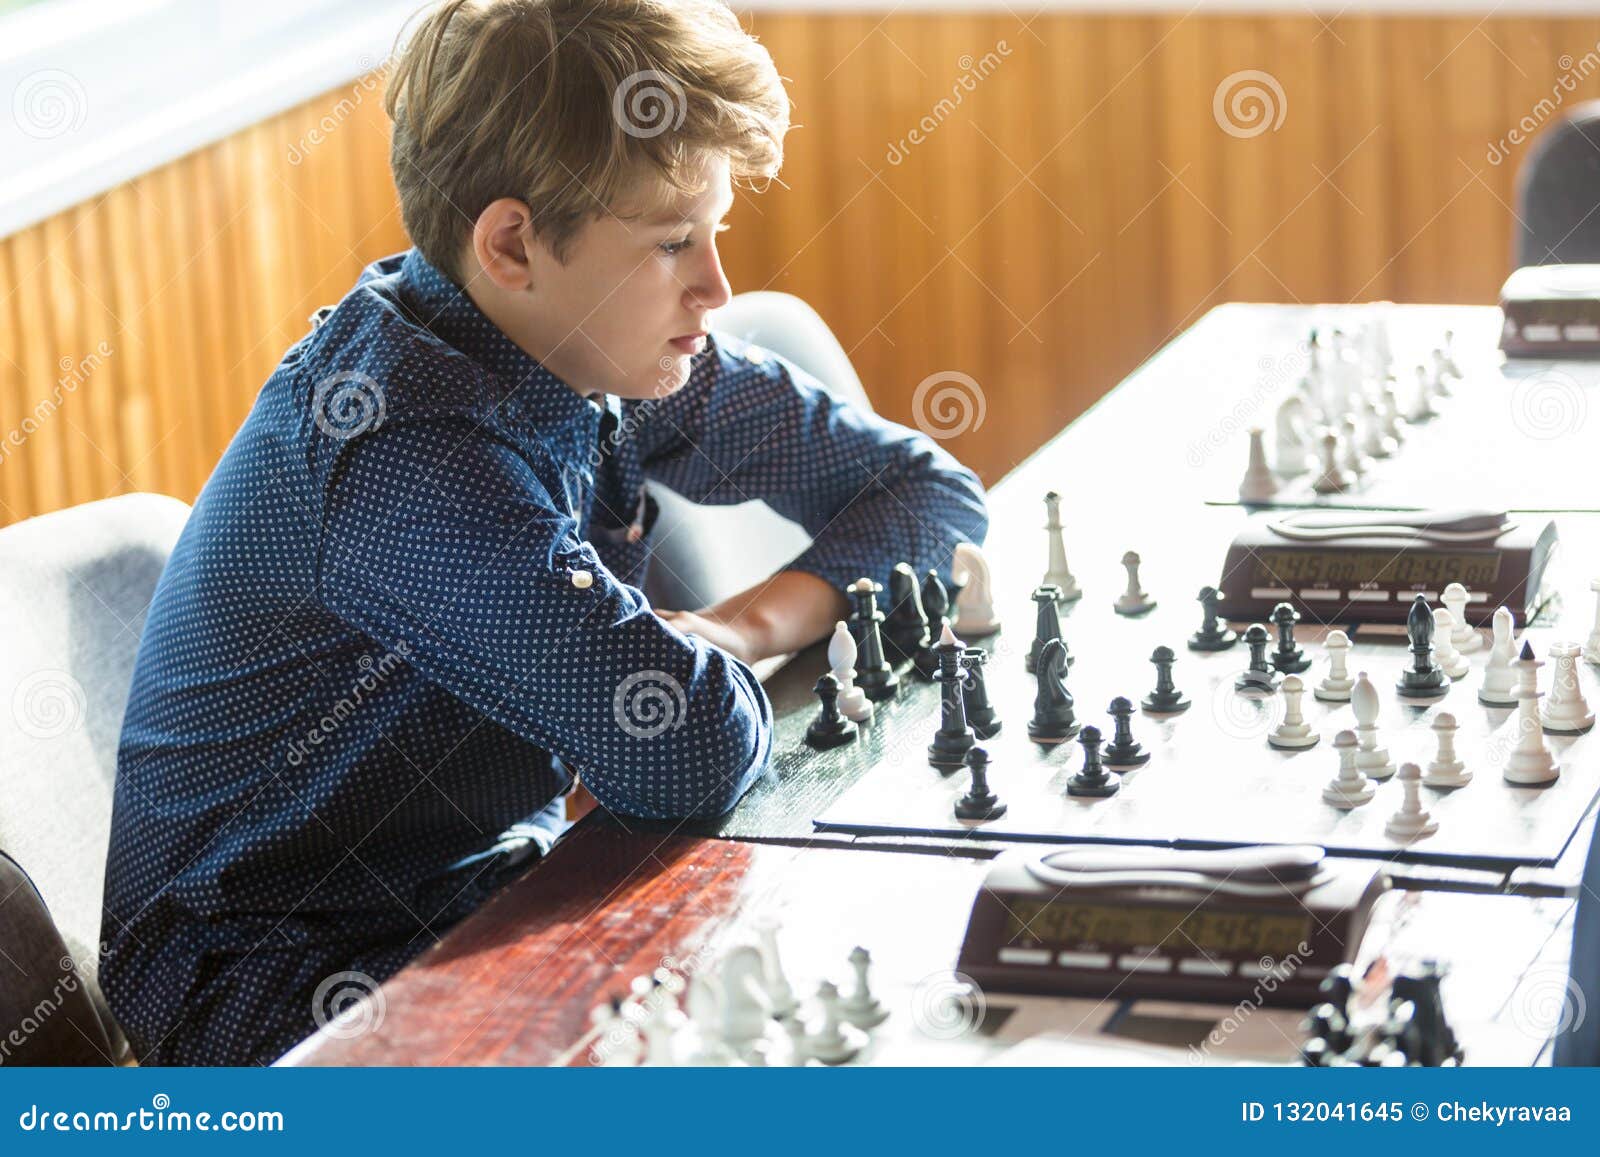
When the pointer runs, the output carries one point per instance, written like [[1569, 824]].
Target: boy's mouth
[[689, 343]]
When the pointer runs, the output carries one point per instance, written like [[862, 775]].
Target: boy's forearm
[[783, 614]]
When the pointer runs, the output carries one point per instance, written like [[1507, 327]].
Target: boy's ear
[[501, 240]]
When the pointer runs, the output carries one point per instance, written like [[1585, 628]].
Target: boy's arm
[[870, 492], [441, 540]]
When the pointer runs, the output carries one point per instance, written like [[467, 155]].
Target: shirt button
[[582, 579]]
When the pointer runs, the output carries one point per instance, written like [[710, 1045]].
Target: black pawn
[[1123, 751], [829, 728], [1426, 679], [1053, 719], [936, 605], [980, 712], [1046, 625], [980, 803], [1288, 659], [1212, 635], [1093, 780], [954, 738], [1166, 698], [905, 628], [1257, 676], [874, 676]]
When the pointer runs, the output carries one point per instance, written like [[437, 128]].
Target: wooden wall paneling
[[156, 458], [1415, 52], [99, 379], [1191, 226], [1249, 162], [1361, 133], [1471, 230], [1298, 253], [46, 451], [17, 497], [68, 301]]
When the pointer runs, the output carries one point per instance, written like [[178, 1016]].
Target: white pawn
[[1056, 571], [1443, 371], [1412, 821], [1293, 733], [1293, 453], [1394, 426], [1466, 639], [1336, 684], [1331, 478], [1499, 677], [1530, 760], [1446, 768], [1258, 483], [861, 1008], [1350, 446], [1566, 712], [975, 616], [1375, 443], [1421, 399], [1591, 650], [780, 995], [616, 1043], [1373, 760], [1133, 601], [853, 702], [1451, 661], [1348, 789], [658, 1019], [829, 1044]]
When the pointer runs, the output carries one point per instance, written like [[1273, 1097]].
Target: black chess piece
[[1092, 779], [1053, 719], [1433, 1041], [1288, 659], [829, 728], [954, 738], [980, 712], [874, 676], [1046, 625], [1166, 699], [1258, 676], [905, 627], [936, 605], [980, 802], [1425, 679], [1123, 750], [1213, 635]]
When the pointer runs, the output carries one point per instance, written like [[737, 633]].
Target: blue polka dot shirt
[[405, 612]]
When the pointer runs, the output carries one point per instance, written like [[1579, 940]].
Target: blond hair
[[572, 106]]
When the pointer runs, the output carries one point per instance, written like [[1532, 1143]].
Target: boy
[[404, 614]]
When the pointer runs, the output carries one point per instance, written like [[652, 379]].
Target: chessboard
[[1212, 779]]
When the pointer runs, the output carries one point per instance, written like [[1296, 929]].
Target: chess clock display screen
[[1215, 931], [1386, 568]]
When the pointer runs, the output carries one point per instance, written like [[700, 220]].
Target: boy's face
[[629, 308]]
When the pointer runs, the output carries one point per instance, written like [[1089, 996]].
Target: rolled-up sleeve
[[439, 536], [870, 492]]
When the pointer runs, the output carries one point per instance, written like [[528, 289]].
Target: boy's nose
[[711, 289]]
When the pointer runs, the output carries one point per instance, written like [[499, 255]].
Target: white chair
[[710, 552]]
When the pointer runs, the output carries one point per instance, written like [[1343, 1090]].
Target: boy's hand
[[714, 631], [778, 616]]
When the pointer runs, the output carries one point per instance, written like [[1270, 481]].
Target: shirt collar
[[527, 389]]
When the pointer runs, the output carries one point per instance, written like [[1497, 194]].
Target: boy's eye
[[672, 248]]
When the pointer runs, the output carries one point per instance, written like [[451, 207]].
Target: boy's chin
[[670, 375]]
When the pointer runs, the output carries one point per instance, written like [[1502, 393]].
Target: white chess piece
[[1350, 448], [1451, 661], [1293, 454], [1566, 712], [744, 999], [1336, 684], [655, 1014], [1466, 640], [1331, 477], [1446, 768], [1499, 677], [780, 995], [1375, 444], [853, 702], [705, 1047], [616, 1042], [1412, 821], [1421, 398], [1133, 601], [1442, 373], [975, 616], [1258, 483], [829, 1044], [1348, 789], [861, 1008], [1293, 733], [1056, 571], [1373, 760], [1591, 649], [1530, 760], [1394, 426]]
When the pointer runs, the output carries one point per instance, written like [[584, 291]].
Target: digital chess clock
[[1264, 923], [1368, 567]]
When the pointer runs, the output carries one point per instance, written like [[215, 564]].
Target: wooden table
[[515, 982]]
